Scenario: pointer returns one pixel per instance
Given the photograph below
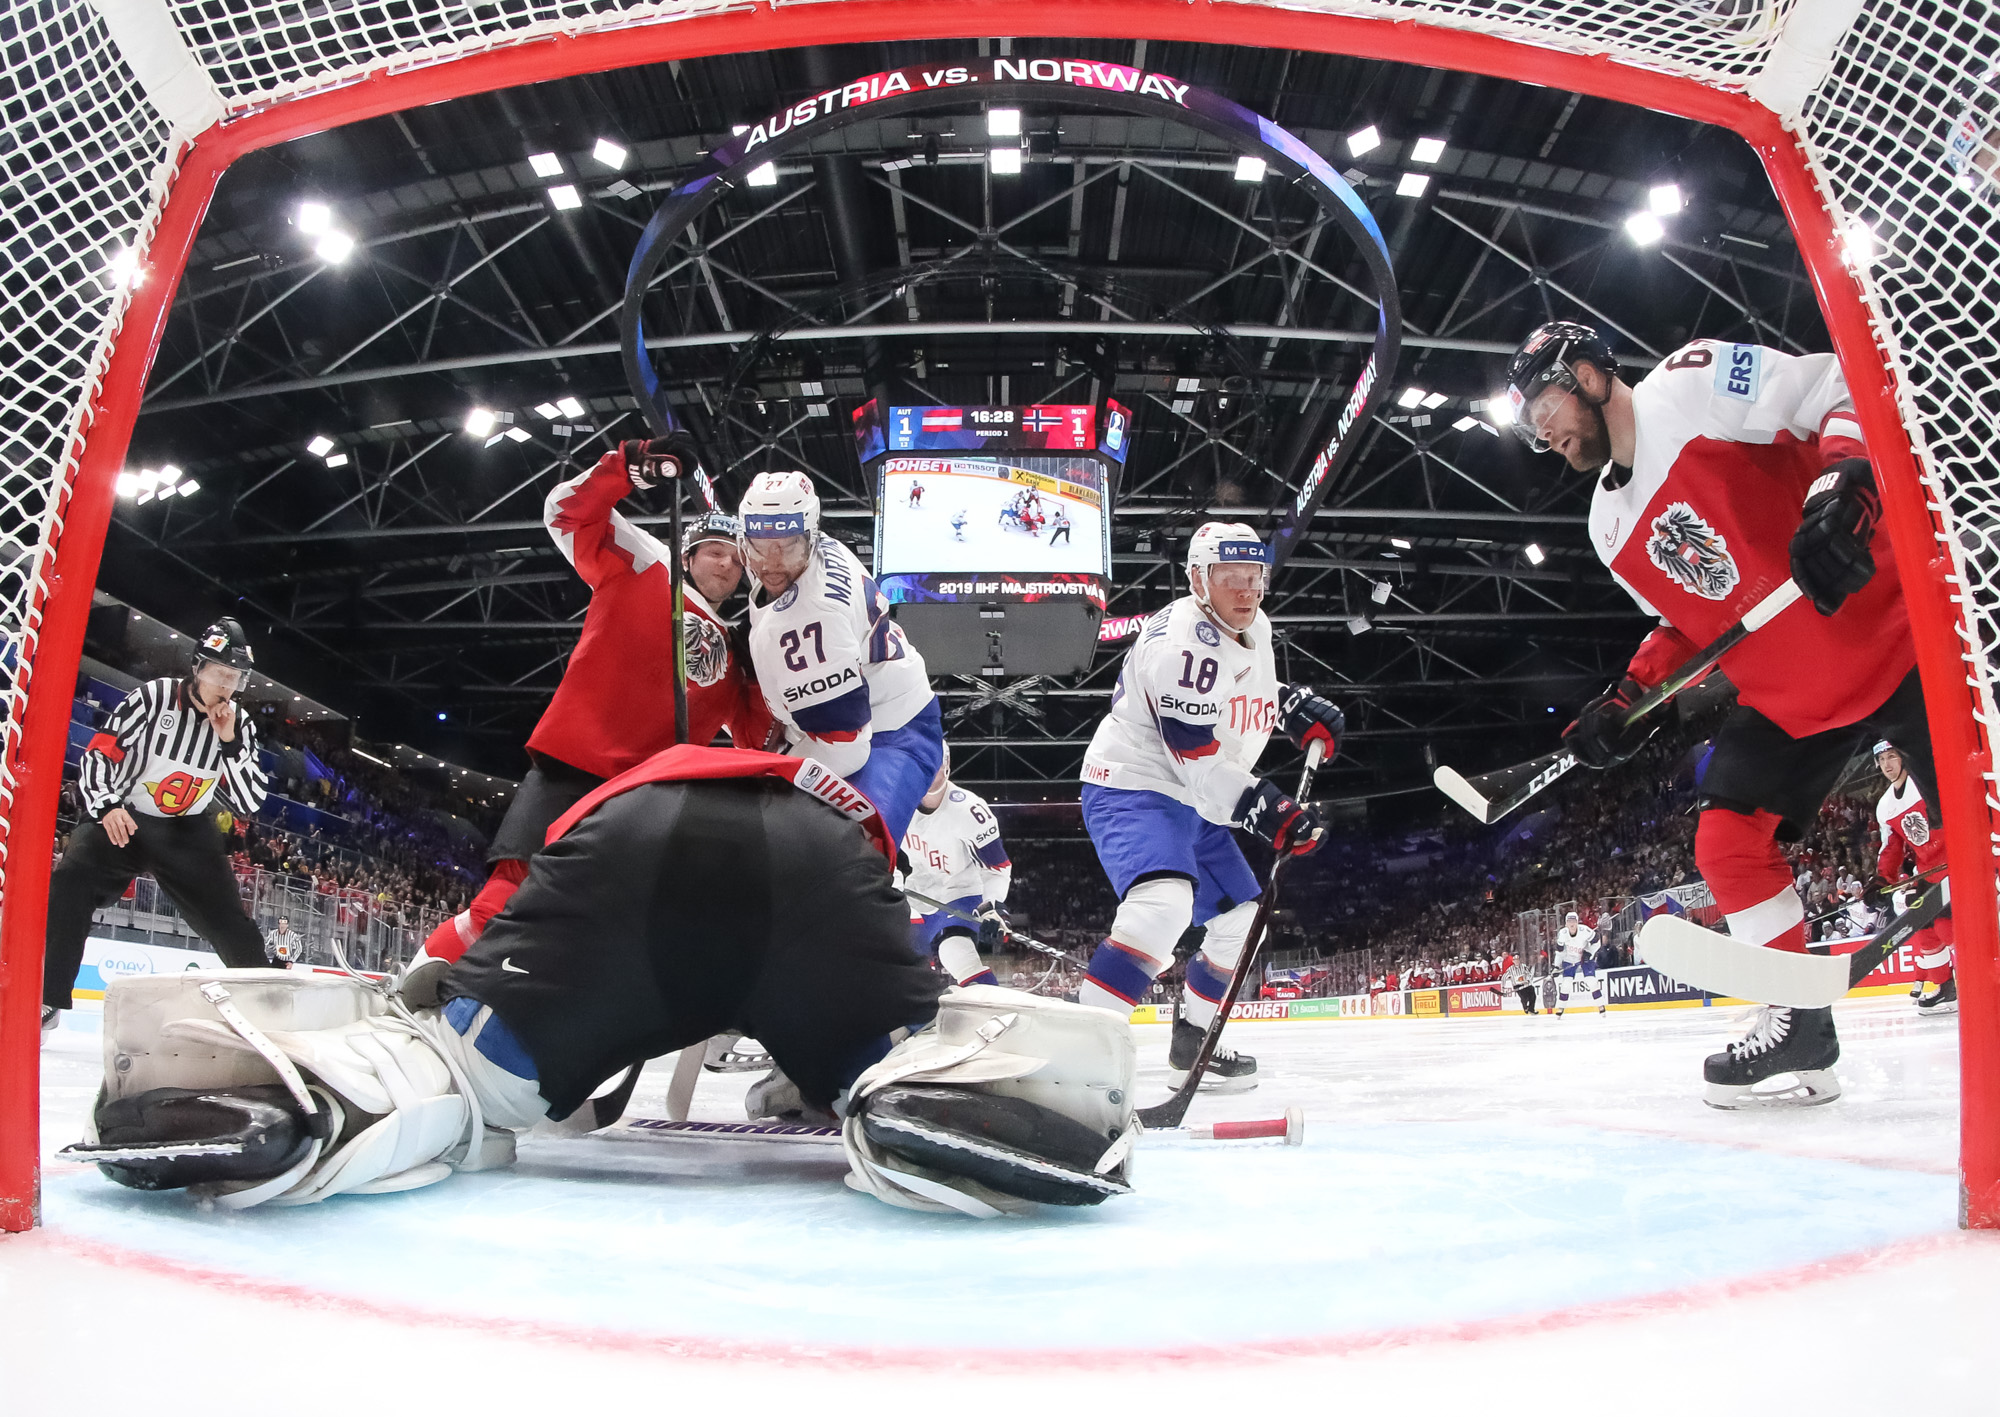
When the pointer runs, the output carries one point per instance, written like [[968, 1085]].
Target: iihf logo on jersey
[[707, 652], [1692, 553]]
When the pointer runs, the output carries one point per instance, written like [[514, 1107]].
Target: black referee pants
[[184, 854]]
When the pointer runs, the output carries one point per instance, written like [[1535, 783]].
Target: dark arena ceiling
[[413, 588]]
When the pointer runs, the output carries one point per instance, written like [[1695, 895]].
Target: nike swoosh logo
[[1611, 536], [508, 966]]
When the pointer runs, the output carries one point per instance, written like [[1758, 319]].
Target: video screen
[[1006, 513]]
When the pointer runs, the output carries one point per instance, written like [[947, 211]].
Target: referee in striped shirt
[[170, 755]]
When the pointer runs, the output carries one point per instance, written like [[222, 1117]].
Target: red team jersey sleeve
[[1730, 436]]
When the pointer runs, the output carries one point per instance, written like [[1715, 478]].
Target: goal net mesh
[[1899, 136]]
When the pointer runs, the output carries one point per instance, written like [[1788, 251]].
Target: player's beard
[[1593, 447]]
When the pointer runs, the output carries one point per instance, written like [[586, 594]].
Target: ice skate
[[1799, 1044], [1943, 1001], [1228, 1070], [51, 1020], [733, 1053]]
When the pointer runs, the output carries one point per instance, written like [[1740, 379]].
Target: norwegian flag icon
[[1036, 421], [938, 419]]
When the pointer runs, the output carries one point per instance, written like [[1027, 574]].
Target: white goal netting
[[1897, 104]]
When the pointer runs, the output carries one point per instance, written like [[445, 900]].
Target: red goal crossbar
[[52, 637]]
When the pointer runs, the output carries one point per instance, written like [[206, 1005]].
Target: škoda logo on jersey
[[818, 780], [1692, 553]]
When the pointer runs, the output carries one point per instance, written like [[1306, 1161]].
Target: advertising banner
[[1472, 999], [1427, 1003]]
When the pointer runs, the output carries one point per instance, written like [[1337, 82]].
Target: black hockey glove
[[1600, 737], [1830, 555], [992, 925], [1304, 717], [649, 464], [1279, 822]]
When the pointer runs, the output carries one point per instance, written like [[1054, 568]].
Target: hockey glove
[[1830, 555], [1305, 718], [1600, 737], [1279, 822], [661, 460], [992, 925]]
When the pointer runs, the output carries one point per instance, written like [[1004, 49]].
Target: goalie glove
[[649, 463], [992, 924], [1600, 737], [1279, 822], [1306, 718], [1831, 558]]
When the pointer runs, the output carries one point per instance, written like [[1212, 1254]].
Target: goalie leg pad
[[1006, 1144], [987, 1157], [173, 1137]]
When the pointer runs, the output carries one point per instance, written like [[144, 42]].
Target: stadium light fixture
[[1412, 184], [1644, 228], [1365, 140], [1401, 543], [1379, 592], [610, 154], [337, 460], [127, 485], [1359, 625], [313, 218], [763, 175], [565, 198], [1006, 161], [1250, 168], [169, 475], [518, 434], [545, 164], [1500, 409], [334, 247], [569, 407], [1433, 400], [1427, 150], [1858, 241], [1464, 423], [1534, 553], [548, 411], [320, 446], [1410, 397], [480, 422], [1665, 199], [125, 269], [1003, 122], [189, 487]]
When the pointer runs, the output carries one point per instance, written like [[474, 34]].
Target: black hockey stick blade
[[1008, 930], [1171, 1112], [1493, 795]]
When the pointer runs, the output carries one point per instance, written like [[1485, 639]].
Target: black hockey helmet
[[223, 643], [710, 526], [1548, 357]]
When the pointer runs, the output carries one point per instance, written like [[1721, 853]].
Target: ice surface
[[1459, 1178]]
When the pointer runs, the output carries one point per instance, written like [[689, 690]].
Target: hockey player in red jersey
[[1911, 842], [1726, 470], [615, 705]]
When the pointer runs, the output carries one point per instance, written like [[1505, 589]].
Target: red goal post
[[125, 113]]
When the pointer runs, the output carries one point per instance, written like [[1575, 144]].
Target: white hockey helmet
[[1571, 916], [1226, 543], [778, 505]]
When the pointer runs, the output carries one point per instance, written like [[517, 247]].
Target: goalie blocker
[[274, 1087]]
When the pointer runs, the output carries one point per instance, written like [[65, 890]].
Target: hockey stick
[[687, 1072], [679, 584], [1291, 1128], [1882, 892], [1493, 795], [1711, 961], [1008, 930], [1170, 1112]]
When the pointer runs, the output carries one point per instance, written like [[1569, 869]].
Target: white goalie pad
[[397, 1114], [1071, 1059]]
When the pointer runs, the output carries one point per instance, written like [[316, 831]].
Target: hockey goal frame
[[80, 495]]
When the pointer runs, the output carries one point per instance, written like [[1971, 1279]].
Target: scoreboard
[[993, 529]]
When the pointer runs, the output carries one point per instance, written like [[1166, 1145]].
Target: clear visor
[[775, 553], [1238, 576], [1534, 413], [218, 678]]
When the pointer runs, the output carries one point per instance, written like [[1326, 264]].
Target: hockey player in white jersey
[[838, 673], [1171, 770], [1577, 944], [956, 856]]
